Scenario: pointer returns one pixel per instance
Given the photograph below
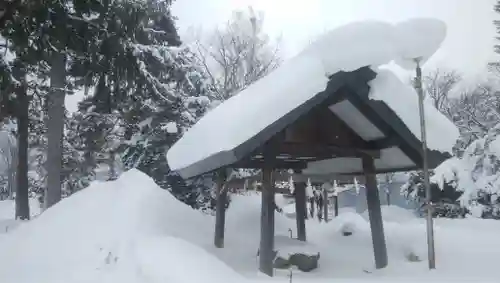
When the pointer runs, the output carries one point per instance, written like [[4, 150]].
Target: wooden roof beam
[[322, 151], [276, 164], [387, 142]]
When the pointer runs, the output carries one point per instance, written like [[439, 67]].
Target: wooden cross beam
[[386, 142], [324, 151]]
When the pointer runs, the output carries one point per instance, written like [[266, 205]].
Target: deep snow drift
[[132, 231], [120, 231]]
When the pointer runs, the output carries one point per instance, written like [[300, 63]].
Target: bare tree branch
[[238, 54]]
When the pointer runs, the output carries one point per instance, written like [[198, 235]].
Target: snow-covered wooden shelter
[[329, 110]]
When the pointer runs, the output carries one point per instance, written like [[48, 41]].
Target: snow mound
[[126, 228], [351, 221]]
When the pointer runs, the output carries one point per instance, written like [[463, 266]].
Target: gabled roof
[[324, 99], [347, 97]]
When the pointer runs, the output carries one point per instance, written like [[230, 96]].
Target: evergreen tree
[[39, 33], [143, 90], [147, 89]]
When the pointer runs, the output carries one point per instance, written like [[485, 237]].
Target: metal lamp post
[[428, 200]]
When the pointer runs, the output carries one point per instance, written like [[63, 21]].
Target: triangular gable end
[[379, 125], [328, 134]]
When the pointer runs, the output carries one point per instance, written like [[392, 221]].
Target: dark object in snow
[[347, 229], [304, 263], [281, 263], [412, 257]]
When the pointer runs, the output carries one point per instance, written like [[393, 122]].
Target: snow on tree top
[[347, 48]]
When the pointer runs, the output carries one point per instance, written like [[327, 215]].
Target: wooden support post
[[266, 250], [375, 213], [220, 209], [300, 210], [325, 204], [336, 205], [387, 189], [311, 207]]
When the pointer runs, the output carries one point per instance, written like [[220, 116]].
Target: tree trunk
[[112, 167], [12, 167], [11, 179], [22, 201], [55, 128]]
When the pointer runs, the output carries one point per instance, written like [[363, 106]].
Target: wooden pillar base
[[325, 204], [300, 210], [336, 205], [266, 250], [375, 214], [220, 210]]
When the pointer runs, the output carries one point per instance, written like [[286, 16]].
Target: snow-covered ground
[[7, 214], [131, 231]]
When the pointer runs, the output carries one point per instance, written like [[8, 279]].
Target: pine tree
[[39, 33], [144, 89]]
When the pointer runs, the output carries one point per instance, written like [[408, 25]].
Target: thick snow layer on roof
[[355, 45], [241, 117], [418, 38], [249, 112], [442, 134]]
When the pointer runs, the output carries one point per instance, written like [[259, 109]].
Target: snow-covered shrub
[[476, 175], [445, 200]]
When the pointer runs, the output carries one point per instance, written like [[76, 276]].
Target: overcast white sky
[[468, 46]]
